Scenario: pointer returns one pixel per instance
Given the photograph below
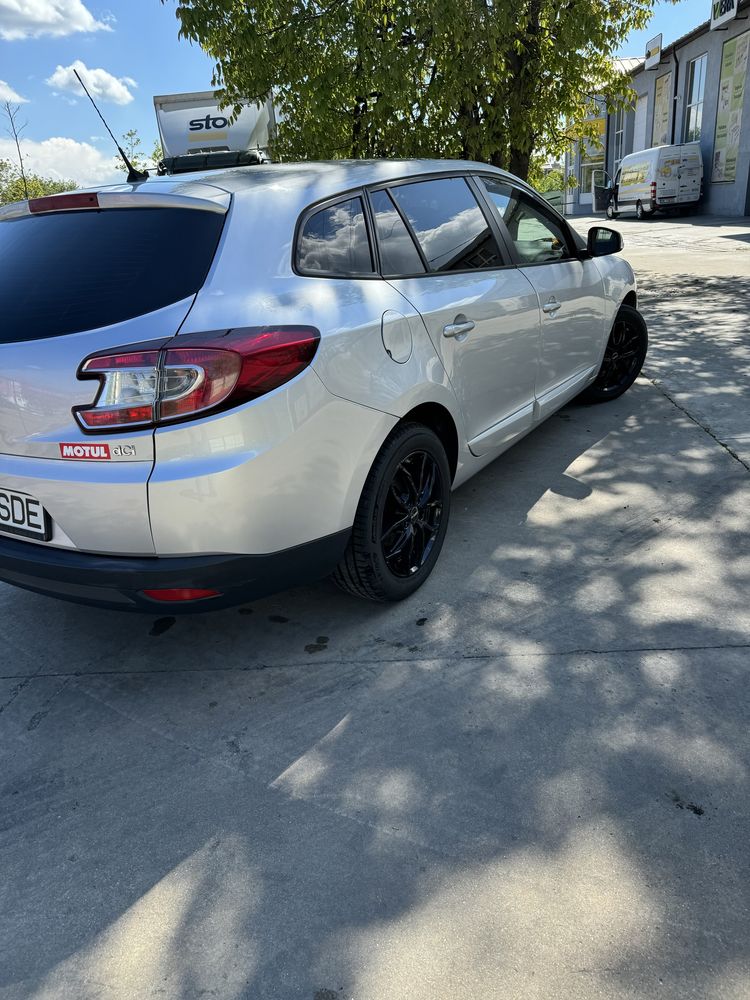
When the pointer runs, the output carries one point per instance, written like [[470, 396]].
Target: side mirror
[[602, 241]]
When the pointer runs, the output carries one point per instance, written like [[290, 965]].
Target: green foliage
[[455, 78], [12, 189], [552, 180], [131, 144]]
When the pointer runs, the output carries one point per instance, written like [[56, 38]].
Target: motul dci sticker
[[86, 451]]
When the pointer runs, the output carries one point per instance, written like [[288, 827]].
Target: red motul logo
[[84, 451]]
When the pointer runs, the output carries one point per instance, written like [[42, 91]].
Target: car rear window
[[334, 242], [73, 271]]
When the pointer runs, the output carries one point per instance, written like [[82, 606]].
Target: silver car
[[216, 385]]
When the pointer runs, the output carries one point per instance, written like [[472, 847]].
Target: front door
[[570, 291]]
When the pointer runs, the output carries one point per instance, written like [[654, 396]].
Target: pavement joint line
[[704, 427], [258, 668]]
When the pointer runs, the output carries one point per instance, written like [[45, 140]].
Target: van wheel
[[611, 214], [640, 211], [623, 357], [402, 518]]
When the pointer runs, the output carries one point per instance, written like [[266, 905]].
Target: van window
[[72, 271], [449, 225], [334, 241]]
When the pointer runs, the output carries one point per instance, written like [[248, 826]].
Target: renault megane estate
[[220, 384]]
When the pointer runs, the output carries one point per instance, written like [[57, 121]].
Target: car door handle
[[552, 306], [458, 329]]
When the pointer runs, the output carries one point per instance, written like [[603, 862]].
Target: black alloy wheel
[[412, 514], [401, 520], [623, 357]]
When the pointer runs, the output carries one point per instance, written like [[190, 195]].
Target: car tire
[[401, 520], [640, 212], [623, 357], [610, 213]]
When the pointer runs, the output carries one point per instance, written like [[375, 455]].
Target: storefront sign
[[723, 11], [662, 101], [653, 53], [729, 112]]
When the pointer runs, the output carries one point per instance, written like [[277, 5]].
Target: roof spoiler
[[215, 160]]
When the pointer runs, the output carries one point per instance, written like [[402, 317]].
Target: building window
[[618, 130], [696, 87]]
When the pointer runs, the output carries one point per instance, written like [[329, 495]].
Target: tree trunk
[[520, 161], [499, 159]]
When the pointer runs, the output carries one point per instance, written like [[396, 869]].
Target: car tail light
[[198, 375], [176, 594]]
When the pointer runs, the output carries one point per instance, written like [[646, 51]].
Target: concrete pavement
[[528, 781]]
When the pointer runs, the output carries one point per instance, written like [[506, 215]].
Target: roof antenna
[[133, 175]]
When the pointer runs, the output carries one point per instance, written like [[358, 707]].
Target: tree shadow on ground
[[528, 780]]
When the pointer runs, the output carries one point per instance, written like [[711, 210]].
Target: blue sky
[[134, 47]]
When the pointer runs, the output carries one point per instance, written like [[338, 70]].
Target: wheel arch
[[631, 299], [440, 421]]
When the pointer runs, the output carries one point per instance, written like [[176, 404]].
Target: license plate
[[21, 514]]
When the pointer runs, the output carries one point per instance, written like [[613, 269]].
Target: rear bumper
[[118, 582]]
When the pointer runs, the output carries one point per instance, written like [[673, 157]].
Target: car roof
[[298, 177]]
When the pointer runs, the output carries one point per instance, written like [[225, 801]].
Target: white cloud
[[100, 83], [65, 159], [7, 93], [32, 18]]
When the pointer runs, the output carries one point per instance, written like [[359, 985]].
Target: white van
[[658, 178]]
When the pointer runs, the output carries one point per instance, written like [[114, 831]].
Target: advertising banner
[[653, 53], [729, 112], [662, 101], [723, 11]]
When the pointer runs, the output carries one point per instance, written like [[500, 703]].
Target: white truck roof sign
[[193, 123]]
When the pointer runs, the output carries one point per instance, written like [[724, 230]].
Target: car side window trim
[[544, 210], [412, 236], [321, 206]]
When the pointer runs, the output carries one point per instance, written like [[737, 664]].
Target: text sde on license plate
[[21, 514]]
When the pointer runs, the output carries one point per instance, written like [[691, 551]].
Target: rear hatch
[[691, 172], [82, 274], [667, 175]]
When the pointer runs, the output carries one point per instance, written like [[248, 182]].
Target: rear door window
[[334, 242], [398, 252], [449, 224], [74, 271]]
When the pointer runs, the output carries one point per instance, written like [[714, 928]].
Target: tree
[[552, 180], [14, 130], [479, 79], [131, 144], [15, 188], [16, 182]]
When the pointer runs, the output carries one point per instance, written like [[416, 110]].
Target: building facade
[[699, 89]]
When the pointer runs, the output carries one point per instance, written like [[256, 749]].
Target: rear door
[[691, 173], [668, 172], [439, 249], [76, 282], [569, 288]]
